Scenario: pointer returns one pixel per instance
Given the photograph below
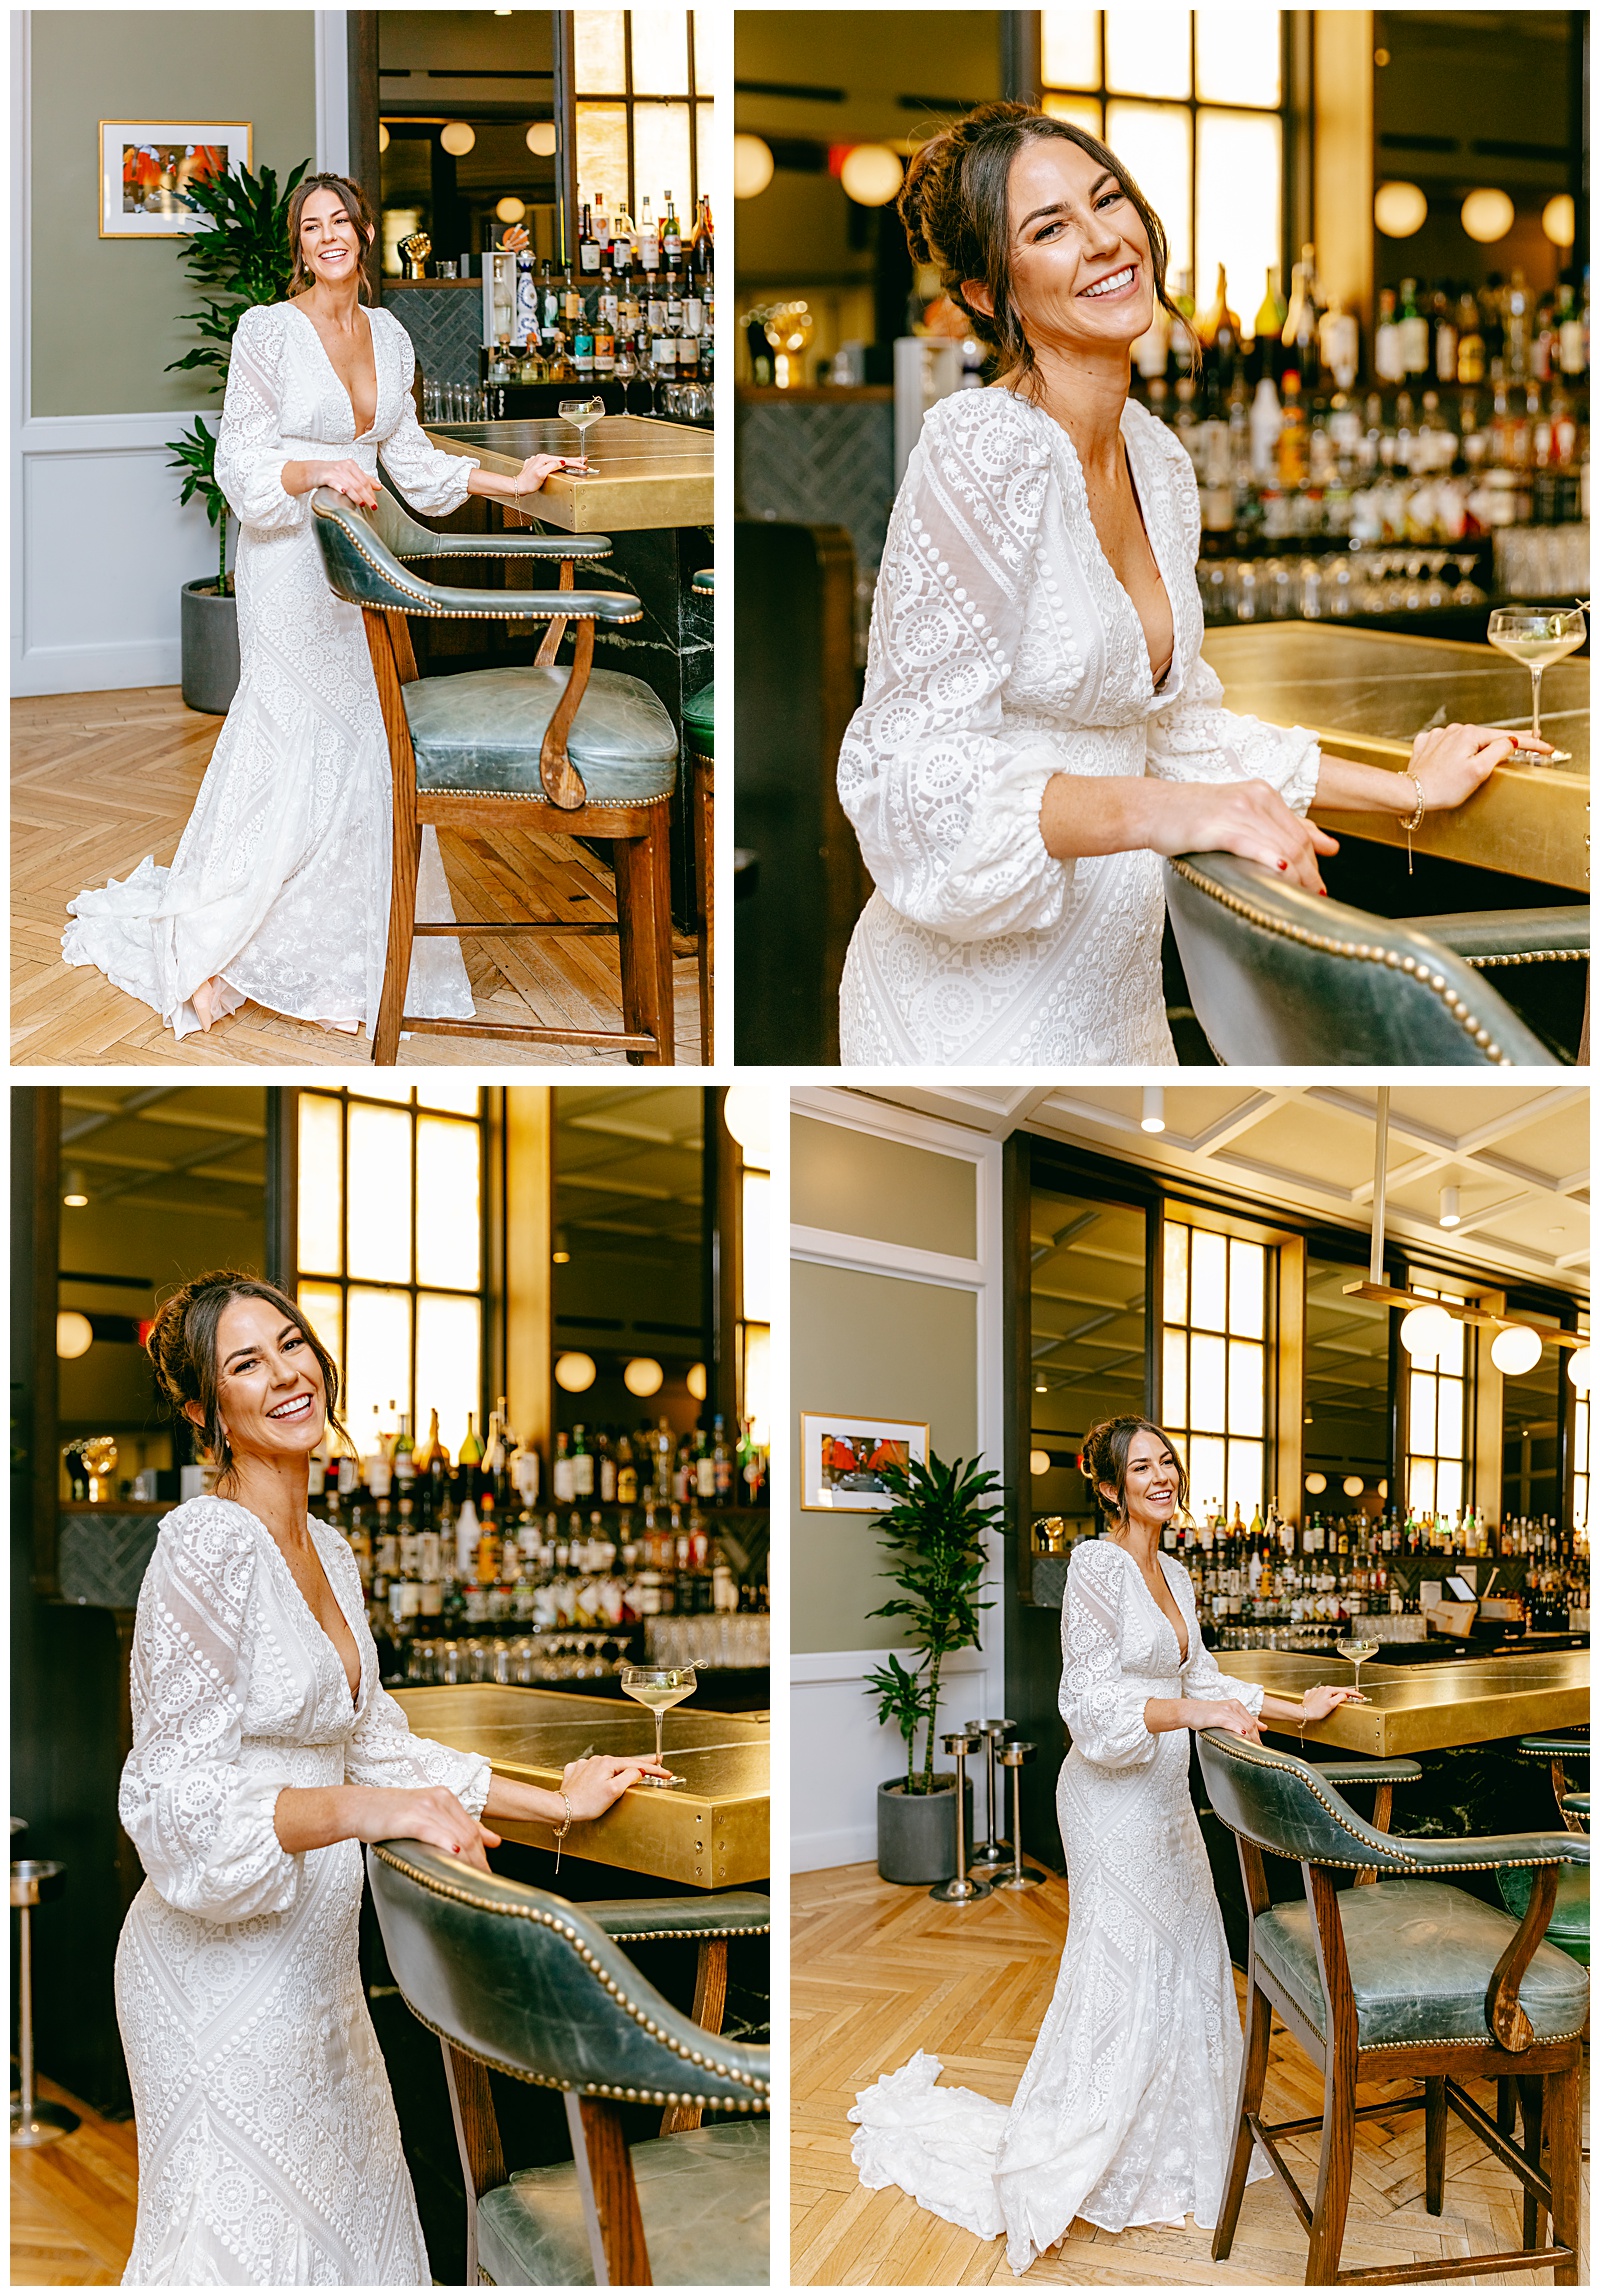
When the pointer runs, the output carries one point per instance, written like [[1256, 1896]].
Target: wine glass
[[1537, 635], [1357, 1650], [658, 1687], [581, 413]]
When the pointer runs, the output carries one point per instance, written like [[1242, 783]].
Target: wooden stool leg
[[1564, 2099], [704, 817], [658, 845], [1505, 2106], [1436, 2117], [710, 2001], [636, 935], [1252, 2081], [1531, 2088], [402, 921], [1334, 2167]]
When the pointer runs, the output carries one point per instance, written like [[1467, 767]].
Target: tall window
[[643, 87], [1581, 1465], [1214, 1363], [1193, 102], [1436, 1422], [390, 1251], [755, 1303]]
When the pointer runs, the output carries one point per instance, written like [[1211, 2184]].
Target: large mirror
[[1347, 1399], [1087, 1337]]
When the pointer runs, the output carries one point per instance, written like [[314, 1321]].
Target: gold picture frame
[[145, 164], [831, 1486]]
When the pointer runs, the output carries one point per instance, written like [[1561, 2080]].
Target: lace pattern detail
[[280, 884], [269, 2150], [1124, 2112], [1004, 651]]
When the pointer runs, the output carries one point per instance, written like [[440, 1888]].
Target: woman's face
[[330, 244], [269, 1382], [1150, 1487], [1081, 275]]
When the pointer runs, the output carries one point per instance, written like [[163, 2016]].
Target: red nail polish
[[1283, 864]]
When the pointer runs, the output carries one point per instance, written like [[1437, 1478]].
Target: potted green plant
[[240, 260], [935, 1534]]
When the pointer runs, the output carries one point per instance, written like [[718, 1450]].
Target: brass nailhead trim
[[646, 1936], [719, 2104], [425, 595], [1364, 951], [1533, 957], [529, 797], [543, 1920]]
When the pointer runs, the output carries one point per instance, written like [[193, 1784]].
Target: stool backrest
[[527, 1983], [1285, 1806], [1277, 974], [360, 566]]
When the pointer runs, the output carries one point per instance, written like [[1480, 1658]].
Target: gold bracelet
[[561, 1832], [1414, 821]]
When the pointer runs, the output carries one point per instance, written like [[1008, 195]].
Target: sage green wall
[[859, 1184], [105, 312], [864, 1343]]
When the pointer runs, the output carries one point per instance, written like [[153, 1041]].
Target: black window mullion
[[411, 1375], [627, 110]]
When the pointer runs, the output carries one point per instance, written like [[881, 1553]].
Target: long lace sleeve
[[1102, 1709], [943, 797], [1204, 1678], [201, 1823], [250, 452], [383, 1749], [431, 480]]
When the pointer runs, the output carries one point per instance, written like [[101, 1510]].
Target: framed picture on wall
[[842, 1459], [148, 169]]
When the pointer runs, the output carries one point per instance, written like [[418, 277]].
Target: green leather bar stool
[[519, 1980], [1276, 974], [1382, 1777], [1569, 1920], [699, 722], [1412, 1977], [579, 752]]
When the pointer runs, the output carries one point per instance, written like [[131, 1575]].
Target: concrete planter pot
[[917, 1832], [210, 632]]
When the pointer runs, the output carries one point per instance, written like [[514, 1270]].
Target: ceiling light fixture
[[76, 1194], [1353, 1486], [1425, 1332], [1039, 1462], [1316, 1484], [1578, 1369], [1516, 1349], [753, 166], [457, 138], [1449, 1207], [541, 139], [643, 1376], [575, 1371], [1399, 209], [871, 175], [1153, 1115], [1487, 216], [74, 1335], [747, 1114]]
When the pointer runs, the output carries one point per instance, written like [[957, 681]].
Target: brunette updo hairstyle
[[182, 1346], [956, 206], [353, 200], [1104, 1459]]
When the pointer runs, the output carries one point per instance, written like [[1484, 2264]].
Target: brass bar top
[[709, 1833], [1368, 693], [1417, 1709], [643, 473]]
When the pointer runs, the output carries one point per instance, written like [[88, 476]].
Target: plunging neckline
[[1062, 432], [377, 392], [361, 1664], [1183, 1646]]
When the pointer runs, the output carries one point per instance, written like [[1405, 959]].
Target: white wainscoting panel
[[106, 549], [840, 1755]]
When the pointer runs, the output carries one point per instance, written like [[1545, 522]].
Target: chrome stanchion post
[[989, 1855], [32, 1881], [963, 1889], [1013, 1754]]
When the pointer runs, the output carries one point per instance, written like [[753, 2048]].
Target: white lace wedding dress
[[280, 886], [269, 2150], [1004, 650], [1124, 2112]]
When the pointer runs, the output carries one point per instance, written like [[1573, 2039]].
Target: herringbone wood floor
[[73, 2204], [881, 1971], [100, 780]]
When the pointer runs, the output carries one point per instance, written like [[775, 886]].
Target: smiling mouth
[[1114, 283], [297, 1407]]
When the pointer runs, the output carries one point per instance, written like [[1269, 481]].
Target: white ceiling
[[1518, 1154]]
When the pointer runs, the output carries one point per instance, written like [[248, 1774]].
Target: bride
[[1124, 2112], [265, 1753], [279, 890], [1038, 727]]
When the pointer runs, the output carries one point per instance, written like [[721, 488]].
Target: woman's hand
[[538, 467], [347, 477], [593, 1784], [1244, 817], [1321, 1701], [1223, 1714], [1451, 761], [421, 1814]]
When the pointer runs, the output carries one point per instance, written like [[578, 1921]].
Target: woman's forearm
[[1083, 815], [1281, 1709], [507, 1799], [1165, 1714], [315, 1817], [1345, 787]]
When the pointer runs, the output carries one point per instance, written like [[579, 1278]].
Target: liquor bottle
[[1386, 362], [722, 1464], [1446, 337], [549, 313], [1269, 319], [649, 237], [1219, 317], [627, 1474], [561, 1471], [471, 1452], [671, 236], [588, 242], [663, 1448], [582, 1466], [1183, 349], [1339, 339], [1299, 336], [1471, 350], [1572, 330], [701, 250], [525, 306], [1292, 435], [1413, 350]]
